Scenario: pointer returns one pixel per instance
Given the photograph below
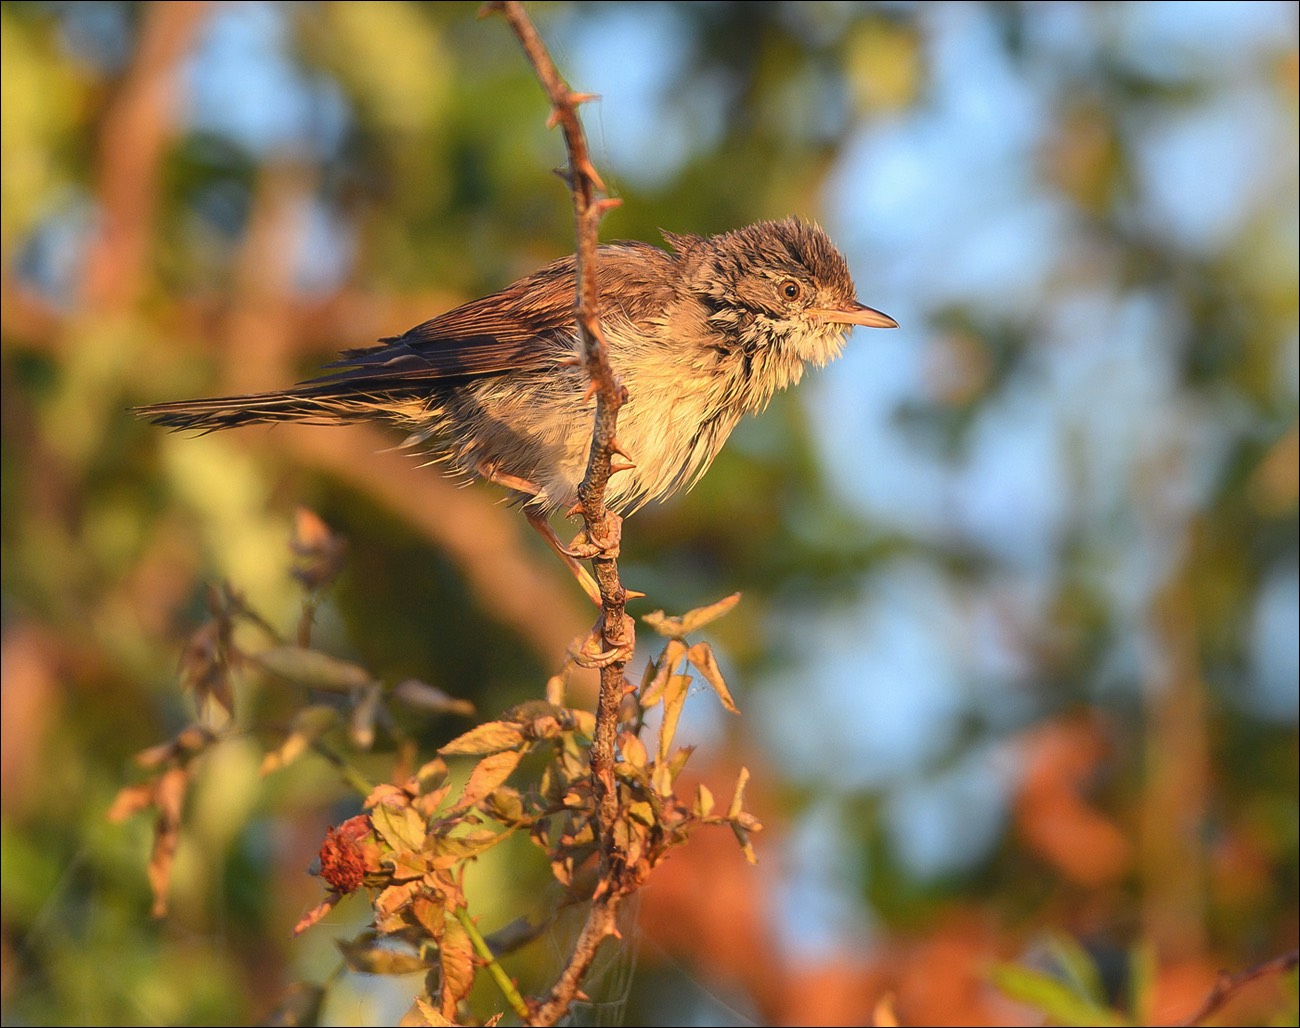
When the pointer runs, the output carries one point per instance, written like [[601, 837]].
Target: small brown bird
[[700, 336]]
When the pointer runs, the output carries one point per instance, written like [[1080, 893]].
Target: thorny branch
[[601, 526], [1229, 985]]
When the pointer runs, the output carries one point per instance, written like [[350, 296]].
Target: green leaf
[[1052, 997], [1141, 981], [1078, 968]]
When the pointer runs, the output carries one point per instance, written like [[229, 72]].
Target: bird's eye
[[790, 289]]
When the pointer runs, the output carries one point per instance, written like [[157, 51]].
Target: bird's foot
[[598, 650]]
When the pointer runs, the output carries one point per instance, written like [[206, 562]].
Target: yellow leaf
[[651, 691], [633, 749], [674, 700], [701, 655], [432, 1016], [489, 737], [738, 797], [680, 627], [401, 827], [489, 773]]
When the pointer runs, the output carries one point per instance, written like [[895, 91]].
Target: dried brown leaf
[[361, 725], [321, 552], [450, 850], [131, 799], [316, 913], [309, 724], [680, 627], [169, 797], [314, 669], [457, 957], [427, 1016], [411, 692], [738, 797]]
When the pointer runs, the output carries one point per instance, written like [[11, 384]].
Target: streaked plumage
[[700, 336]]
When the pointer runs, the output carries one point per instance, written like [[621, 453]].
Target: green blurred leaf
[[1050, 996]]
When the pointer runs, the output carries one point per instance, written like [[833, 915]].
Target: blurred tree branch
[[132, 143]]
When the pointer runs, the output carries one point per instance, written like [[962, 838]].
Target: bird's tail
[[325, 404]]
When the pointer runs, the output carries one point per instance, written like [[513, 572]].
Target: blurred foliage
[[205, 198]]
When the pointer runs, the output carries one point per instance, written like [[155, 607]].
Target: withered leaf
[[701, 655], [452, 849], [703, 800], [316, 913], [321, 552], [401, 827], [738, 797], [169, 797], [674, 700], [633, 749], [651, 691], [489, 773], [680, 627], [207, 662], [457, 955], [187, 744], [426, 1015], [746, 847], [421, 696], [131, 799], [314, 669], [393, 899], [506, 805], [308, 725], [430, 775], [361, 725], [489, 737]]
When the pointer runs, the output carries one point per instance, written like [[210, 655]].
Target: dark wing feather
[[522, 326]]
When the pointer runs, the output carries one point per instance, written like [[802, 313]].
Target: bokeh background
[[1017, 653]]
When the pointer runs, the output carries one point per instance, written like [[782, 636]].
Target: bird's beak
[[856, 314]]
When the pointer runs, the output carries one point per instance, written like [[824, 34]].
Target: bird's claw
[[598, 651], [606, 544]]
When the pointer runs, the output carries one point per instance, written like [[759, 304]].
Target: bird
[[699, 334]]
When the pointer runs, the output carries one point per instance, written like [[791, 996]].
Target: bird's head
[[782, 286]]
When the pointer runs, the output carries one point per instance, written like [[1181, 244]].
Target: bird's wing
[[529, 324], [525, 325]]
